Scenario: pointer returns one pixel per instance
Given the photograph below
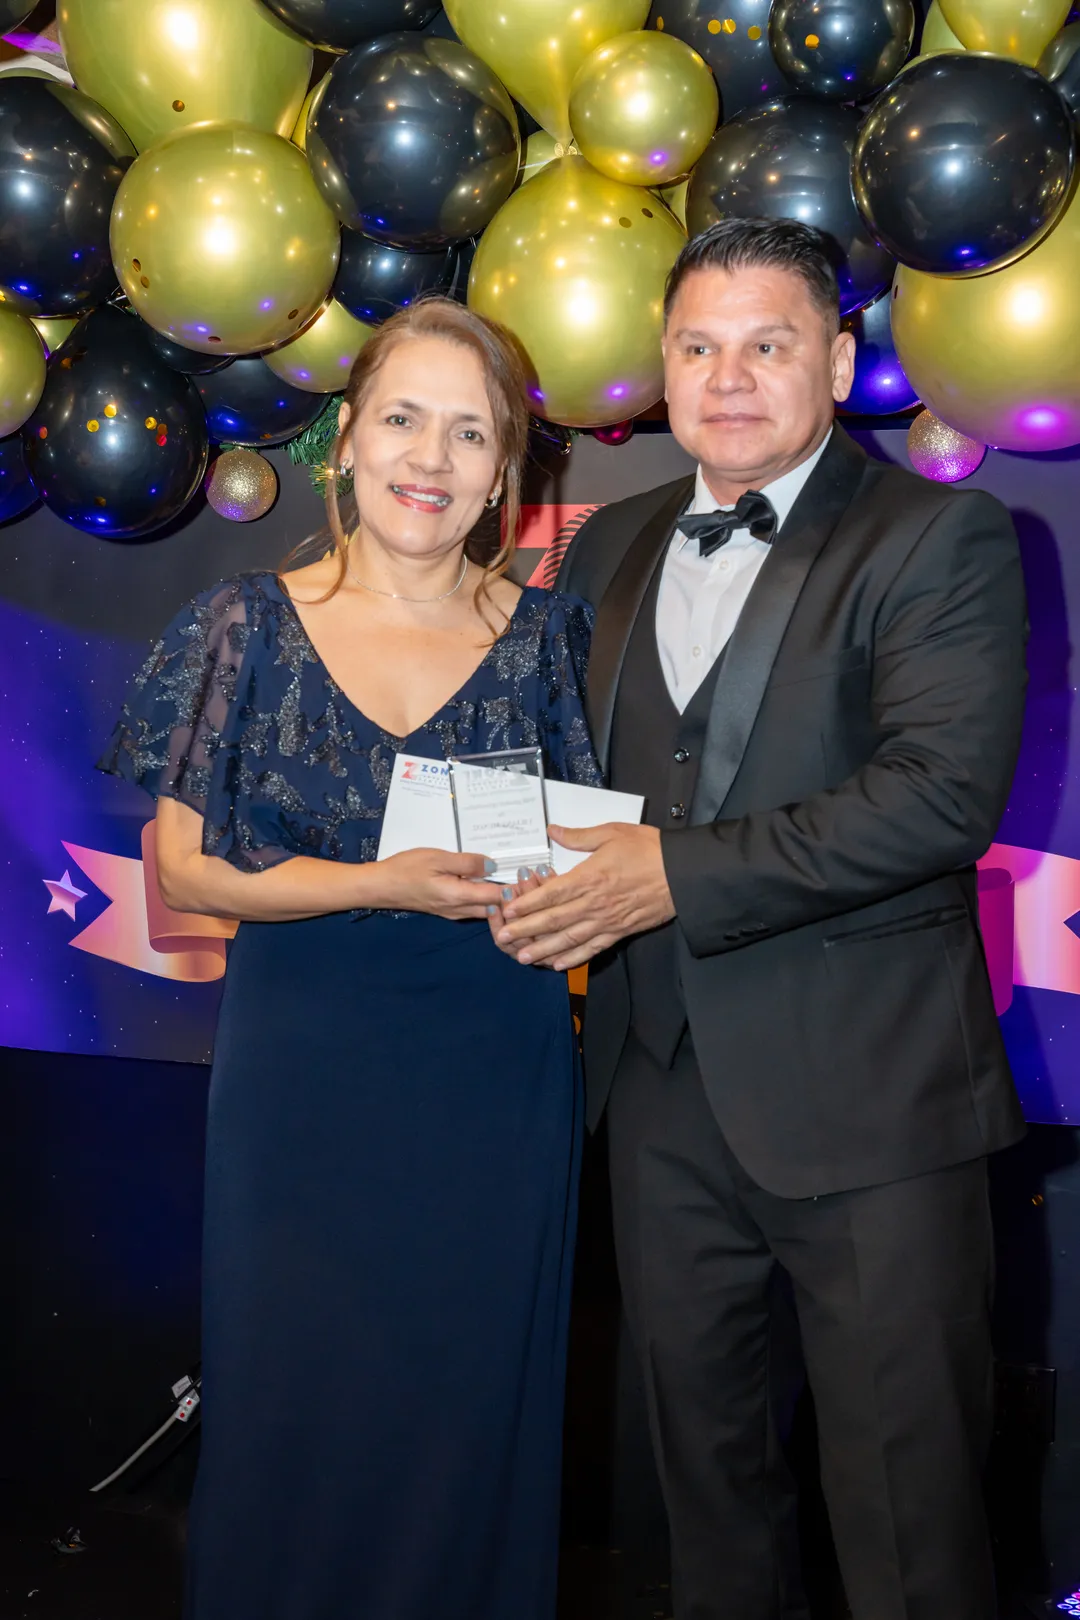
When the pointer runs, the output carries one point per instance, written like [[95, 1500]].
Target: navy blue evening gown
[[394, 1139]]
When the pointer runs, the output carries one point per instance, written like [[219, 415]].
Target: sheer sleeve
[[564, 660], [176, 732]]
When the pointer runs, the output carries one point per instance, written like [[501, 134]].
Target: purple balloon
[[880, 385]]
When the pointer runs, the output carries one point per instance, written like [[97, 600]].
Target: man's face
[[752, 372]]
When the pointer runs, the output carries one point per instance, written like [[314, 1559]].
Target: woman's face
[[423, 448]]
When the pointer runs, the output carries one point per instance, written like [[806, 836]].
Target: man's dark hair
[[745, 244]]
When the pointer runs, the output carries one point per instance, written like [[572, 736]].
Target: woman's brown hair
[[492, 543]]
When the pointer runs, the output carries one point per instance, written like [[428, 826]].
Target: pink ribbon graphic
[[138, 930], [1026, 898], [1044, 953]]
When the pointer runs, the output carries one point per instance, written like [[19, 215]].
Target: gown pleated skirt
[[391, 1201]]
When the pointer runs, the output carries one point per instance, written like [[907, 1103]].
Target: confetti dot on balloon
[[144, 281], [940, 452], [660, 24], [730, 25], [43, 433], [812, 42], [178, 106], [151, 421], [110, 410], [714, 27], [754, 31], [93, 425], [624, 221], [136, 264]]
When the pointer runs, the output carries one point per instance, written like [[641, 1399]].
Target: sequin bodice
[[235, 714]]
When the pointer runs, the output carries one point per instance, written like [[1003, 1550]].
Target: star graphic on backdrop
[[63, 895]]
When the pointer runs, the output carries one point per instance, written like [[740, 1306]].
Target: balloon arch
[[200, 231]]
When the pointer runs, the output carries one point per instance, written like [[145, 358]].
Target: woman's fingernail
[[524, 874], [545, 871], [489, 866], [492, 911], [525, 959], [508, 894]]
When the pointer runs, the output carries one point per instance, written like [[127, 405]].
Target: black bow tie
[[714, 529]]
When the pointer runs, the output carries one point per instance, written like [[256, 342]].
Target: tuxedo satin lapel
[[617, 612], [755, 642]]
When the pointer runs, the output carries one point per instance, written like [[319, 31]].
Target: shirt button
[[677, 812], [681, 756], [724, 565], [697, 652]]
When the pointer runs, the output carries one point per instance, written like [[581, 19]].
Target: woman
[[394, 1123]]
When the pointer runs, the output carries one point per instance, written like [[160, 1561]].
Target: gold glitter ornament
[[938, 451], [241, 485]]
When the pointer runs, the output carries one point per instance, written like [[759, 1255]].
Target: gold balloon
[[241, 485], [575, 264], [675, 199], [53, 329], [321, 357], [311, 101], [536, 46], [643, 108], [998, 356], [539, 150], [937, 36], [160, 65], [938, 451], [221, 239], [1018, 28], [22, 370]]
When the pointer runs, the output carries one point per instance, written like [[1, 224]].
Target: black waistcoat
[[656, 751]]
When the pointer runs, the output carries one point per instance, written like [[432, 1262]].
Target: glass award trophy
[[501, 810]]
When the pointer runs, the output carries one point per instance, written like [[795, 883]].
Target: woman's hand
[[528, 880], [434, 881]]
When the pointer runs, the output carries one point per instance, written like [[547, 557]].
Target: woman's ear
[[343, 420]]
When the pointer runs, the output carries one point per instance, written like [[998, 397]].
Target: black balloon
[[338, 25], [459, 287], [118, 444], [842, 49], [189, 361], [881, 385], [414, 142], [62, 158], [375, 281], [1060, 63], [791, 159], [734, 42], [963, 162], [246, 404], [17, 492], [13, 13]]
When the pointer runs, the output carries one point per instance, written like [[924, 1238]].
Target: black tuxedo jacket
[[858, 758]]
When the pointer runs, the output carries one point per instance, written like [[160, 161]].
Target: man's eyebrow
[[758, 331]]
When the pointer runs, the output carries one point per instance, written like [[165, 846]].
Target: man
[[819, 688]]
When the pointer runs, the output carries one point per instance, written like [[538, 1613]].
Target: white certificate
[[420, 810]]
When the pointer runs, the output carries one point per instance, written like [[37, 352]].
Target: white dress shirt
[[700, 597]]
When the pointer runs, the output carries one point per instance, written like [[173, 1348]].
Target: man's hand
[[621, 889]]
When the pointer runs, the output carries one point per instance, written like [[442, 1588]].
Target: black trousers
[[891, 1287]]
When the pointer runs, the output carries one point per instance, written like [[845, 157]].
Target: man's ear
[[843, 366]]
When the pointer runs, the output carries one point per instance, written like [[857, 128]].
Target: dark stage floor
[[132, 1563]]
